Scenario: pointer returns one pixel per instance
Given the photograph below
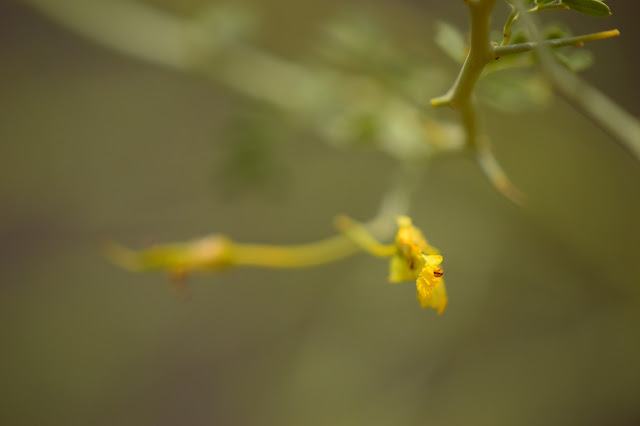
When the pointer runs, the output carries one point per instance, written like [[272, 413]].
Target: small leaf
[[519, 36], [249, 158], [554, 32], [514, 92], [577, 60], [451, 41], [589, 7]]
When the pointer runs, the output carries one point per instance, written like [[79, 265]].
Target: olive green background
[[543, 316]]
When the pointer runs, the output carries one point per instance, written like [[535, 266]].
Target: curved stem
[[511, 20], [359, 234], [353, 236], [294, 256]]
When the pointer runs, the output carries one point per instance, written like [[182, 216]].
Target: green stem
[[295, 256], [555, 43], [511, 20], [361, 236], [480, 54]]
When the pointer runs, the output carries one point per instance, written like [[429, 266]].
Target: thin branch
[[555, 43], [141, 31], [511, 20]]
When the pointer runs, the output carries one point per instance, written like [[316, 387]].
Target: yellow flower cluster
[[412, 259], [415, 259]]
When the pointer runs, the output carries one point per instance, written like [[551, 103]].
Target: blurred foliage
[[251, 162]]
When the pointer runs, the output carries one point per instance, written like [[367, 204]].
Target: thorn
[[506, 188], [498, 178]]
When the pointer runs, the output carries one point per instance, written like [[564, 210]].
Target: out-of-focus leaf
[[544, 1], [451, 41], [589, 7], [346, 38], [555, 31], [250, 162], [514, 92], [354, 43], [577, 60], [225, 23], [359, 43], [519, 36]]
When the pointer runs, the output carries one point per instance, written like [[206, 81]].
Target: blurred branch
[[140, 31]]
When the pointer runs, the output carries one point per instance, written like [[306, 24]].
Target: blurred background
[[543, 315]]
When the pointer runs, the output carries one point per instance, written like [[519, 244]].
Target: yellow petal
[[433, 260], [416, 259], [432, 296]]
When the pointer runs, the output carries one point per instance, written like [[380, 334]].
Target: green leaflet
[[577, 60], [451, 41], [514, 92], [589, 7]]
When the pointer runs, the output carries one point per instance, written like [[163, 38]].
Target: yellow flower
[[412, 258], [415, 259]]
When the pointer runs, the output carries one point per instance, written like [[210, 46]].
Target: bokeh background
[[542, 324]]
